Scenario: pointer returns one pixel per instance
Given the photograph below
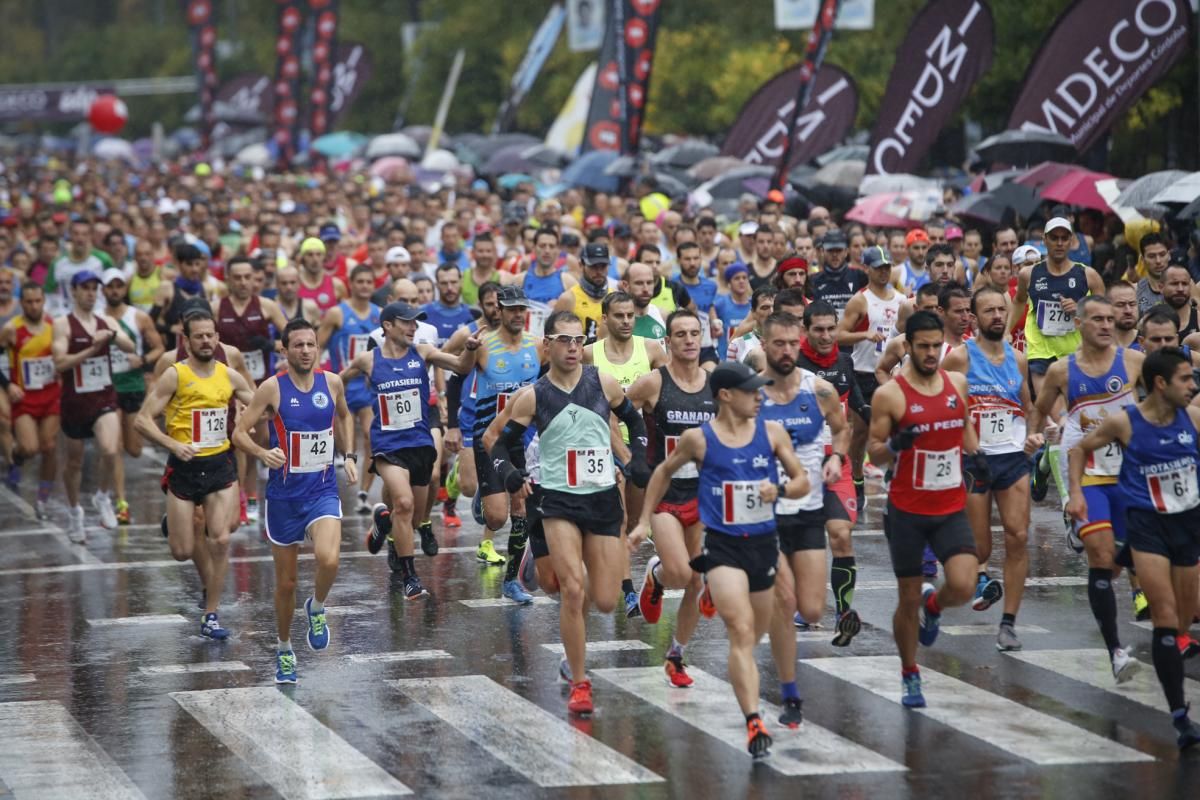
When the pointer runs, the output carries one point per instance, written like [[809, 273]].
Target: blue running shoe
[[800, 623], [477, 509], [1039, 476], [513, 591], [285, 667], [527, 573], [318, 628], [929, 621], [633, 608], [1188, 731], [910, 695], [564, 671], [210, 627], [988, 592], [381, 527]]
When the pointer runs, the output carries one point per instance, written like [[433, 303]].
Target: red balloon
[[108, 114]]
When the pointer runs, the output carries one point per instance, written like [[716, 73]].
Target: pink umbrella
[[1045, 173], [392, 168], [894, 209], [1077, 188]]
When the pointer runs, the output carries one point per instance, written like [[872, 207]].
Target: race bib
[[743, 505], [592, 466], [358, 344], [882, 344], [208, 426], [92, 375], [502, 401], [1105, 462], [1174, 491], [256, 365], [401, 410], [38, 373], [1052, 320], [937, 470], [120, 361], [310, 451], [688, 471], [994, 425], [535, 318]]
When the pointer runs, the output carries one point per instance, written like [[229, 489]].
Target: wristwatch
[[781, 489], [351, 457]]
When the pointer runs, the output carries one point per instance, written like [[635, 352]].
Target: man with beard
[[448, 313], [836, 282], [911, 274], [999, 395], [482, 271], [1123, 296], [940, 262], [920, 422], [1156, 257], [585, 298], [170, 299], [1177, 293], [293, 306], [545, 280], [703, 293], [310, 421], [639, 283], [201, 471]]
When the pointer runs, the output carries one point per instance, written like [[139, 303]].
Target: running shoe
[[860, 492], [800, 622], [631, 606], [1189, 732], [363, 507], [910, 692], [381, 526], [564, 670], [929, 621], [486, 554], [413, 588], [13, 480], [758, 741], [252, 509], [872, 472], [1188, 647], [1039, 476], [41, 509], [123, 515], [650, 598], [104, 507], [442, 496], [477, 509], [210, 627], [75, 531], [1074, 541], [793, 712], [1006, 639], [243, 519], [450, 514], [527, 573], [453, 490], [513, 591], [929, 564], [580, 701], [988, 592], [677, 673], [285, 667], [1124, 666], [847, 627], [1141, 606], [392, 556], [708, 609], [429, 542], [318, 628]]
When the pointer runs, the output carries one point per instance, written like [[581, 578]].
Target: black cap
[[394, 311], [595, 253], [511, 297], [876, 256], [834, 238], [736, 375], [621, 231]]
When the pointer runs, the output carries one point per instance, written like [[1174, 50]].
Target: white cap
[[287, 206], [165, 206], [112, 274], [748, 228], [397, 254], [1057, 222], [1026, 254]]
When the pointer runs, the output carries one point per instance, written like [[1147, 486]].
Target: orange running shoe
[[580, 701], [708, 609], [758, 741], [677, 673]]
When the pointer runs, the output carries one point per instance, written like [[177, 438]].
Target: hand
[[639, 472], [15, 393], [639, 534], [473, 342], [718, 328], [903, 439], [274, 458], [182, 451], [350, 466], [831, 473], [101, 341], [514, 481], [1033, 442], [1068, 305], [453, 441], [877, 337], [1077, 506], [135, 362], [768, 491], [978, 469]]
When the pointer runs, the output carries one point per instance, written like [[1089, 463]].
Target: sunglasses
[[566, 339]]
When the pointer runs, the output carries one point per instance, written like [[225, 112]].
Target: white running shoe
[[1124, 665], [41, 509], [104, 507], [75, 531]]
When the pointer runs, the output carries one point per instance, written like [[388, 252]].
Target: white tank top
[[881, 318]]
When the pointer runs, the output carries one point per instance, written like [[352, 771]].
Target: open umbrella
[[440, 161], [421, 133], [513, 180], [392, 168], [255, 155], [506, 160], [626, 167], [1140, 194], [340, 144], [846, 152], [668, 184], [998, 206], [898, 182], [1019, 147], [846, 174], [1077, 188], [588, 171], [1182, 191], [113, 149], [393, 144], [710, 168], [1190, 211], [685, 154], [1044, 174], [896, 209]]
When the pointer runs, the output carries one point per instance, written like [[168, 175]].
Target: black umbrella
[[998, 206], [626, 167], [685, 154], [1018, 147], [1190, 211]]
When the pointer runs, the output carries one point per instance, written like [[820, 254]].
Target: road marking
[[46, 754], [501, 602], [815, 635], [139, 619], [276, 738], [1010, 726], [612, 646], [1093, 668], [710, 707], [986, 629], [55, 533], [187, 669], [528, 739], [17, 680], [388, 658], [1062, 580]]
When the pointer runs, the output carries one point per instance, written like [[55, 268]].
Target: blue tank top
[[804, 421], [545, 289], [303, 429], [466, 402], [505, 373], [994, 397], [353, 337], [447, 319], [1081, 254], [1158, 471], [729, 478], [401, 389]]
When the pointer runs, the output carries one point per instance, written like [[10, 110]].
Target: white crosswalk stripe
[[996, 720], [1093, 668], [613, 646], [534, 742]]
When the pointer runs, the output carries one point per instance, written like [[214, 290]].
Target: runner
[[919, 422], [580, 508], [291, 304], [1158, 438], [585, 298], [736, 453], [1095, 382], [170, 298], [1124, 302], [747, 337], [81, 342], [402, 446], [310, 421], [679, 398], [544, 281], [201, 472], [999, 395], [317, 283]]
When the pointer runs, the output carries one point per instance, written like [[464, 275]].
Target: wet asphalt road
[[108, 691]]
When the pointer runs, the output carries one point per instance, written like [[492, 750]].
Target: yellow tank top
[[588, 310], [142, 290], [198, 414], [625, 374], [665, 299], [31, 359]]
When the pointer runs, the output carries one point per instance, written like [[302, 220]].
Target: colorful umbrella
[[1077, 188]]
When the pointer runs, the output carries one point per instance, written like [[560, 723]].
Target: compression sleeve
[[454, 385], [510, 437]]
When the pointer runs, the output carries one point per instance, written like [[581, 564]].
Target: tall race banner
[[814, 54], [1097, 60], [324, 49], [761, 128], [202, 30], [623, 78], [286, 110], [351, 72], [947, 49], [540, 45]]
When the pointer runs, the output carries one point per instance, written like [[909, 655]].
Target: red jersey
[[237, 330], [927, 477], [325, 296], [33, 370], [88, 389]]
